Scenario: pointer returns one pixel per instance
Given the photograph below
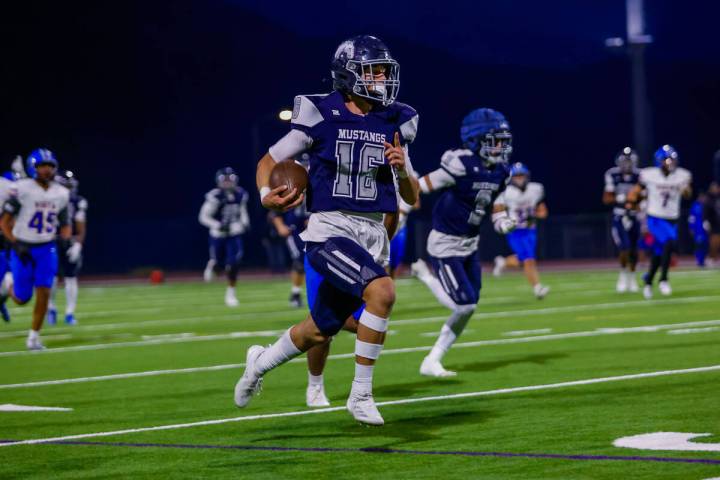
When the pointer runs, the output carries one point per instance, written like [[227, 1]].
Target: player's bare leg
[[317, 358], [533, 277], [230, 298], [42, 297]]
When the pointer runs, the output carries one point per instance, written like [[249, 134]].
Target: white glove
[[73, 253], [620, 198]]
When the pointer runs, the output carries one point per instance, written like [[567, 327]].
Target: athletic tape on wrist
[[373, 322], [367, 350], [263, 192]]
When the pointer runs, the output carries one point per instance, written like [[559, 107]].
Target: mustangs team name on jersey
[[225, 212], [521, 203], [620, 184], [349, 171], [664, 192], [38, 212], [462, 206]]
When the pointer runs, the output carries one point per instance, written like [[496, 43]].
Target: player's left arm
[[65, 226], [688, 191], [244, 217], [391, 220], [502, 222], [541, 211], [407, 183]]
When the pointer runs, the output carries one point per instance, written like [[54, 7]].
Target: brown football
[[289, 173]]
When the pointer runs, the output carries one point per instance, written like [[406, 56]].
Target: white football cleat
[[665, 288], [622, 284], [541, 291], [420, 269], [500, 263], [249, 384], [647, 292], [34, 344], [209, 272], [361, 406], [315, 396], [230, 298], [432, 368], [632, 283]]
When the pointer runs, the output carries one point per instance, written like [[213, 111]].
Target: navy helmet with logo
[[667, 157], [39, 156], [486, 132], [355, 64], [626, 160], [226, 178]]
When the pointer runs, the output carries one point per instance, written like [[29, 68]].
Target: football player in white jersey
[[6, 185], [36, 208], [525, 202], [664, 185]]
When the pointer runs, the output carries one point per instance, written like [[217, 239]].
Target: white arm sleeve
[[289, 146], [439, 179], [244, 218], [206, 212], [609, 184]]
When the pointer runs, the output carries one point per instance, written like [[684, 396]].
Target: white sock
[[276, 354], [295, 289], [71, 294], [363, 375], [33, 335], [314, 380], [451, 330], [436, 288]]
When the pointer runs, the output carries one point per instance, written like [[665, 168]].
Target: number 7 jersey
[[664, 192], [38, 212]]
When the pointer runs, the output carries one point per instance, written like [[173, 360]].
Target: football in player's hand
[[289, 173]]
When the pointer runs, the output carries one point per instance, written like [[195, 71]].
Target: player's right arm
[[450, 167], [609, 192], [502, 221], [208, 209], [7, 222]]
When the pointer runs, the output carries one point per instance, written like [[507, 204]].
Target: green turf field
[[185, 350]]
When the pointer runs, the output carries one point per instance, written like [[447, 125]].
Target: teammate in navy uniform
[[289, 225], [699, 228], [619, 181], [356, 138], [70, 251], [471, 177], [36, 208], [224, 213]]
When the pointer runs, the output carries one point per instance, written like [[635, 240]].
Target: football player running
[[525, 202], [6, 186], [224, 213], [619, 181], [70, 251], [665, 185], [356, 138], [36, 208], [472, 177]]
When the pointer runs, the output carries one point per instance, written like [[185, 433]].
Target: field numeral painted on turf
[[676, 441]]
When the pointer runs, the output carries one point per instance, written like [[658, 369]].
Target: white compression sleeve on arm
[[292, 144]]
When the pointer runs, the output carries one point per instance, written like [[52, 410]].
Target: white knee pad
[[367, 350], [373, 322]]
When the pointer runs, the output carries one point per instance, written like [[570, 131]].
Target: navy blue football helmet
[[356, 63], [487, 133], [667, 158], [39, 156], [626, 160], [67, 179], [226, 178]]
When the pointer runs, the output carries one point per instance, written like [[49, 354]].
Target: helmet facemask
[[227, 181], [366, 86], [496, 147]]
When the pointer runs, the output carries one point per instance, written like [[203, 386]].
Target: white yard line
[[518, 333], [529, 388], [389, 351], [683, 331]]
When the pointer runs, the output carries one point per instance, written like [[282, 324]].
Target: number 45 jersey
[[348, 168], [38, 212]]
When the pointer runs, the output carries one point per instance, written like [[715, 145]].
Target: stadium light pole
[[283, 115], [637, 41]]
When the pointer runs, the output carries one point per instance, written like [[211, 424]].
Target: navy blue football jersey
[[348, 169], [620, 184], [229, 204], [296, 218], [462, 206]]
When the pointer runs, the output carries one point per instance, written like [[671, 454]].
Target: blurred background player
[[224, 213], [6, 185], [619, 181], [398, 241], [665, 185], [288, 226], [356, 138], [70, 251], [711, 214], [36, 208], [699, 228], [525, 202], [472, 177]]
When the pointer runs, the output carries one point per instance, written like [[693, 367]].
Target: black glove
[[22, 250]]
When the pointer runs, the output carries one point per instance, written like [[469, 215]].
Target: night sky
[[145, 100]]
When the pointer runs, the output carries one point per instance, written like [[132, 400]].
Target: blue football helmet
[[667, 158], [355, 64], [487, 133], [519, 169], [226, 178], [67, 179], [39, 156], [626, 160]]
